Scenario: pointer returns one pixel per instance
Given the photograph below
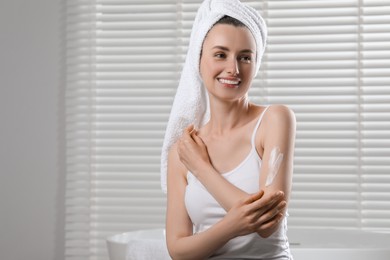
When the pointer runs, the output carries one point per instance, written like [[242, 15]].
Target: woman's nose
[[232, 67]]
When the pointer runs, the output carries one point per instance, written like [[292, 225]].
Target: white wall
[[31, 182]]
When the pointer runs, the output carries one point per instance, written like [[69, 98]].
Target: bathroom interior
[[79, 163]]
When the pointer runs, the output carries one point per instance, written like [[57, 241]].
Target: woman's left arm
[[277, 141]]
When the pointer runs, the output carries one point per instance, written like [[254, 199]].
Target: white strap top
[[205, 211]]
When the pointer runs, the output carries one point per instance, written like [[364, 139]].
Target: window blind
[[328, 60], [122, 71], [374, 109], [312, 65]]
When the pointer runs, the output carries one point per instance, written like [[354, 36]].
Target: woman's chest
[[227, 153]]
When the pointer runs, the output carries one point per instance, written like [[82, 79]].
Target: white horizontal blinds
[[312, 63], [79, 48], [375, 117], [136, 78], [116, 118]]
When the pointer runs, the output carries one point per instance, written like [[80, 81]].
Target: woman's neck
[[225, 116]]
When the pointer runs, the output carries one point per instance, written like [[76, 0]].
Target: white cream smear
[[274, 162]]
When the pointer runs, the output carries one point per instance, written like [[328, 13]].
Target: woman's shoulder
[[278, 122], [274, 111], [277, 118], [279, 114]]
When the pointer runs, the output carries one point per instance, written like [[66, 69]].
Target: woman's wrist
[[227, 229], [202, 169]]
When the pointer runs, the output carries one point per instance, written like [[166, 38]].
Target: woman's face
[[227, 64]]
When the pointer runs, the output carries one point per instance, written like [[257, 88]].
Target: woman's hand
[[192, 151], [257, 213], [276, 206]]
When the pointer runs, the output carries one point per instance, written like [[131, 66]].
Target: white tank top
[[205, 211]]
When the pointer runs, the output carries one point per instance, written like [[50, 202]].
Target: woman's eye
[[220, 55], [246, 59]]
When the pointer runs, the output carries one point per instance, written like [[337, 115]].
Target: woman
[[229, 180]]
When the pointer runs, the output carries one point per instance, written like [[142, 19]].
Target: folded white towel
[[190, 105]]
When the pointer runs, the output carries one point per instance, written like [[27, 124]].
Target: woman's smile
[[230, 82]]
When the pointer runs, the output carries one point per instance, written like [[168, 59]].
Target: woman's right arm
[[242, 219], [181, 242]]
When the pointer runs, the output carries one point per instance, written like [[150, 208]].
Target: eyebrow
[[227, 49]]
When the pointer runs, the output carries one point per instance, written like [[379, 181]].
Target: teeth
[[231, 82]]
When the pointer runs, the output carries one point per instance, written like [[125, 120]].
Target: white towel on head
[[190, 105]]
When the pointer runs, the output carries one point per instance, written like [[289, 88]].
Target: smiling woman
[[218, 204]]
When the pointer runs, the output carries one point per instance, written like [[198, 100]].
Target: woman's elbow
[[174, 251]]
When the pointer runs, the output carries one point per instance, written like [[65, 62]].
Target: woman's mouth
[[229, 83]]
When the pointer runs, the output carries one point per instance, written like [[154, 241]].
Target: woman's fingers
[[192, 150], [271, 213], [189, 130], [272, 222], [190, 140], [259, 213], [190, 137], [196, 138], [264, 211], [186, 139], [268, 222], [187, 133], [267, 203], [254, 197], [268, 228]]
